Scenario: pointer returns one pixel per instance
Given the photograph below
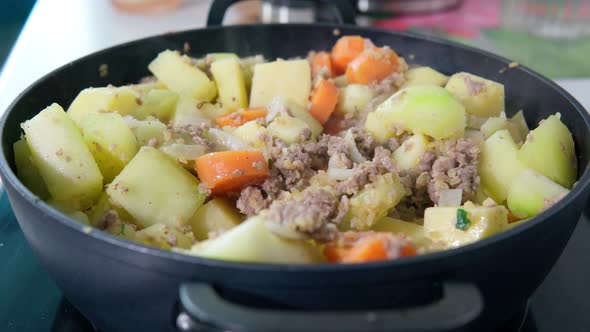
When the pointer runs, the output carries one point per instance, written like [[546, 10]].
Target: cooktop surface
[[30, 300]]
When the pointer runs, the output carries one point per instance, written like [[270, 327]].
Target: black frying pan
[[123, 286]]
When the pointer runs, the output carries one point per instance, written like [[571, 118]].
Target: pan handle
[[219, 7], [206, 311]]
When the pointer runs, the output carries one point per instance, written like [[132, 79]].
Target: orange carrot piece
[[345, 50], [321, 61], [372, 65], [241, 116], [324, 98], [227, 171], [359, 247]]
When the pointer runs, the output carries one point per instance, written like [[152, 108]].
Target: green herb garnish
[[122, 232], [463, 221]]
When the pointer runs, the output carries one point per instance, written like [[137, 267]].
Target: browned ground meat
[[313, 215], [252, 201]]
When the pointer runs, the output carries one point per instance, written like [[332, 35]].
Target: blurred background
[[550, 36]]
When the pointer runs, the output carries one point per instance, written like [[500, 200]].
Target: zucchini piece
[[110, 141], [176, 72], [480, 96], [63, 159], [531, 193], [549, 150], [429, 110], [26, 171], [154, 189]]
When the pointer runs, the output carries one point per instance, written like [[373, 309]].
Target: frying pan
[[124, 286]]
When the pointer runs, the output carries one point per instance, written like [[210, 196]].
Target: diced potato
[[251, 132], [410, 153], [80, 217], [549, 150], [341, 81], [231, 87], [252, 242], [354, 98], [122, 229], [63, 159], [519, 122], [440, 224], [248, 64], [26, 171], [373, 202], [110, 141], [104, 205], [158, 103], [281, 104], [429, 110], [147, 130], [187, 113], [411, 230], [154, 189], [164, 237], [176, 72], [211, 111], [213, 57], [475, 122], [424, 76], [492, 125], [498, 165], [216, 216], [287, 128], [480, 96], [144, 88], [185, 154], [531, 193], [288, 79], [123, 100]]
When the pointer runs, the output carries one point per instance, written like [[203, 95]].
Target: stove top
[[30, 300]]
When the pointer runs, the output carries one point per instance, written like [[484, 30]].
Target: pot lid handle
[[206, 311]]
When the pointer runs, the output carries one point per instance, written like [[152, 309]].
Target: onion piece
[[225, 141], [339, 174], [450, 197], [184, 152], [276, 107], [355, 154]]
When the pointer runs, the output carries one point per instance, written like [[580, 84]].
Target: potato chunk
[[410, 153], [441, 224], [251, 132], [531, 193], [424, 76], [252, 242], [498, 165], [158, 103], [429, 110], [154, 189], [26, 171], [287, 128], [231, 86], [147, 130], [63, 159], [411, 230], [288, 79], [176, 72], [110, 141], [480, 96], [187, 113], [123, 100], [549, 150], [216, 216]]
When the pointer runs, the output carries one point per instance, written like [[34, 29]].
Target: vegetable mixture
[[346, 156]]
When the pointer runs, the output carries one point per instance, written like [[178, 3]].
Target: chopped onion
[[450, 197], [339, 174], [284, 231], [276, 107], [355, 154], [226, 141], [184, 152]]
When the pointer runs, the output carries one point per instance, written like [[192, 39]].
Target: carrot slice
[[359, 247], [241, 116], [321, 61], [324, 98], [345, 50], [372, 65], [228, 171]]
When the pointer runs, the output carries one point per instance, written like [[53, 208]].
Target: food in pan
[[347, 156]]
